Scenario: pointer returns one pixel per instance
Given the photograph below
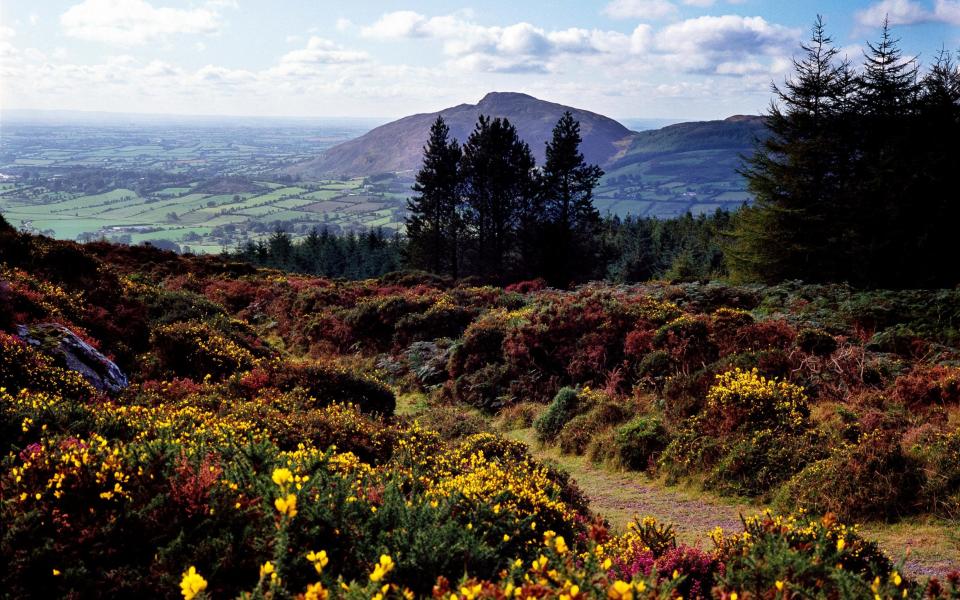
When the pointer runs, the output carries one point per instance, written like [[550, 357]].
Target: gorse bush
[[872, 479], [563, 408], [640, 441], [752, 435]]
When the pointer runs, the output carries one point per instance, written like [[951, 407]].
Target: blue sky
[[626, 58]]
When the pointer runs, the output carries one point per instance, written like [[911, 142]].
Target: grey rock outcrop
[[58, 341]]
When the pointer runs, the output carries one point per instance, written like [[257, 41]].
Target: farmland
[[202, 186]]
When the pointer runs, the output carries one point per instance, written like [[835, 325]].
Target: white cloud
[[909, 12], [948, 11], [134, 22], [727, 45], [344, 24], [899, 12], [324, 52], [8, 52], [520, 47], [397, 25], [640, 9]]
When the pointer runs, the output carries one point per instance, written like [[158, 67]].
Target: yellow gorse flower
[[282, 476], [381, 569], [192, 584], [287, 506], [268, 569], [620, 590], [318, 559]]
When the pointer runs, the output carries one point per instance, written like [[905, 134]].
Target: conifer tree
[[572, 221], [433, 221], [797, 175], [498, 182], [888, 202]]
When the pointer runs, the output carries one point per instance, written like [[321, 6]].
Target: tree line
[[351, 256], [857, 181], [484, 209]]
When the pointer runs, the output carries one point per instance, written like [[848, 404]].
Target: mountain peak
[[398, 146], [498, 97]]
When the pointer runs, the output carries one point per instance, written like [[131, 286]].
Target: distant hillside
[[663, 172], [398, 146], [683, 167]]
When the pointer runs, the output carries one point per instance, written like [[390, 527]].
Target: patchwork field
[[200, 187]]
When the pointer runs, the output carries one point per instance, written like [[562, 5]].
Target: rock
[[77, 355]]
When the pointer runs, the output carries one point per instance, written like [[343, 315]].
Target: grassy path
[[934, 546]]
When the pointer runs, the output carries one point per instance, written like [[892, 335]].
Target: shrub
[[928, 386], [442, 320], [898, 339], [941, 461], [23, 367], [327, 384], [687, 340], [518, 416], [804, 557], [754, 465], [483, 388], [526, 287], [697, 567], [871, 480], [640, 441], [452, 422], [656, 366], [745, 400], [766, 334], [173, 306], [816, 341], [577, 434], [197, 350], [563, 408]]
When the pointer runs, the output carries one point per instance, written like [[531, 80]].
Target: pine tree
[[498, 181], [433, 221], [888, 203], [797, 175], [572, 221], [938, 132]]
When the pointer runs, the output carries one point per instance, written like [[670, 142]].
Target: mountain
[[662, 172], [398, 146]]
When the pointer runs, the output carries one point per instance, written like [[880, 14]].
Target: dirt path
[[934, 547]]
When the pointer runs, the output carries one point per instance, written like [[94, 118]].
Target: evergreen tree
[[498, 182], [572, 221], [433, 223], [797, 175], [889, 160]]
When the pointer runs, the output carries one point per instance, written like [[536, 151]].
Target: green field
[[197, 219]]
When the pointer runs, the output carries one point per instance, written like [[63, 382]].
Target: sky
[[673, 59]]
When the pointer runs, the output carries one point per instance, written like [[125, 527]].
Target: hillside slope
[[398, 146], [662, 172], [684, 167]]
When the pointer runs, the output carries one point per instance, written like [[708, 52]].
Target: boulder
[[58, 341]]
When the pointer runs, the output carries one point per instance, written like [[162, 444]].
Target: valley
[[203, 186]]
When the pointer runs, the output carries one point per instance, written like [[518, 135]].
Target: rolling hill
[[662, 172], [398, 146]]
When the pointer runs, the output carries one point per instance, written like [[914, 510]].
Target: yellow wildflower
[[380, 570], [192, 584], [287, 506], [620, 590], [282, 476]]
